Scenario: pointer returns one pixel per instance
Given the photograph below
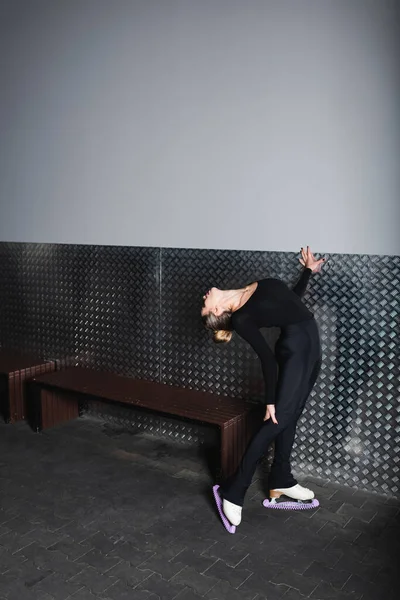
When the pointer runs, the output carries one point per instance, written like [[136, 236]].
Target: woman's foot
[[233, 512], [218, 501], [296, 492]]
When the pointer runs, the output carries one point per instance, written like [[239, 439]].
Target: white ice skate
[[231, 514], [296, 497]]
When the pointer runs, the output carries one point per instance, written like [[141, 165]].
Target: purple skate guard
[[218, 501], [290, 504]]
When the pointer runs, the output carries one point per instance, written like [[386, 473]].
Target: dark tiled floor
[[88, 512]]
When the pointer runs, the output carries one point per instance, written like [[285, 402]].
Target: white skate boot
[[296, 497], [296, 492], [233, 512]]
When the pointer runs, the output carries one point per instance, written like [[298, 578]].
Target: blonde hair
[[222, 336], [220, 325]]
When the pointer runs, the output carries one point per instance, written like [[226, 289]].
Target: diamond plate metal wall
[[89, 305], [40, 294], [117, 325], [106, 307]]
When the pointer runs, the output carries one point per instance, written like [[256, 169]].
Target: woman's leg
[[281, 474]]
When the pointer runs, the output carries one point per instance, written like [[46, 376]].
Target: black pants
[[298, 353]]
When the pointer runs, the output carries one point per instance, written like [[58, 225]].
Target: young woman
[[270, 303]]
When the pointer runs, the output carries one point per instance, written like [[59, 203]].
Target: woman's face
[[210, 302]]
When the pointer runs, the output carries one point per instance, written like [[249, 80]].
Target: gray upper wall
[[257, 124]]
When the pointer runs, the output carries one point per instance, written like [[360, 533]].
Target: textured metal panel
[[41, 294], [99, 307], [88, 305], [118, 318]]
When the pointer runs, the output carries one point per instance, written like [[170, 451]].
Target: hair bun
[[222, 336]]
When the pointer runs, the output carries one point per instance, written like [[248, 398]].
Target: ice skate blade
[[228, 526], [291, 504]]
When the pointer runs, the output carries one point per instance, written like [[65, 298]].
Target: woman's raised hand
[[309, 261]]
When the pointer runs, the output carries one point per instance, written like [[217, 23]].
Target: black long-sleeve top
[[272, 304]]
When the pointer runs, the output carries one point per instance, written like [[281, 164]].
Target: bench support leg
[[235, 438], [48, 408], [57, 407]]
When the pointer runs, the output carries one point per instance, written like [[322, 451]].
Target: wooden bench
[[57, 397], [15, 368]]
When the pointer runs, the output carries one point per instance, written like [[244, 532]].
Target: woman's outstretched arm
[[302, 283]]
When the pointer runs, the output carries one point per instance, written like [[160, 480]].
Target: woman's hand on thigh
[[270, 413]]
